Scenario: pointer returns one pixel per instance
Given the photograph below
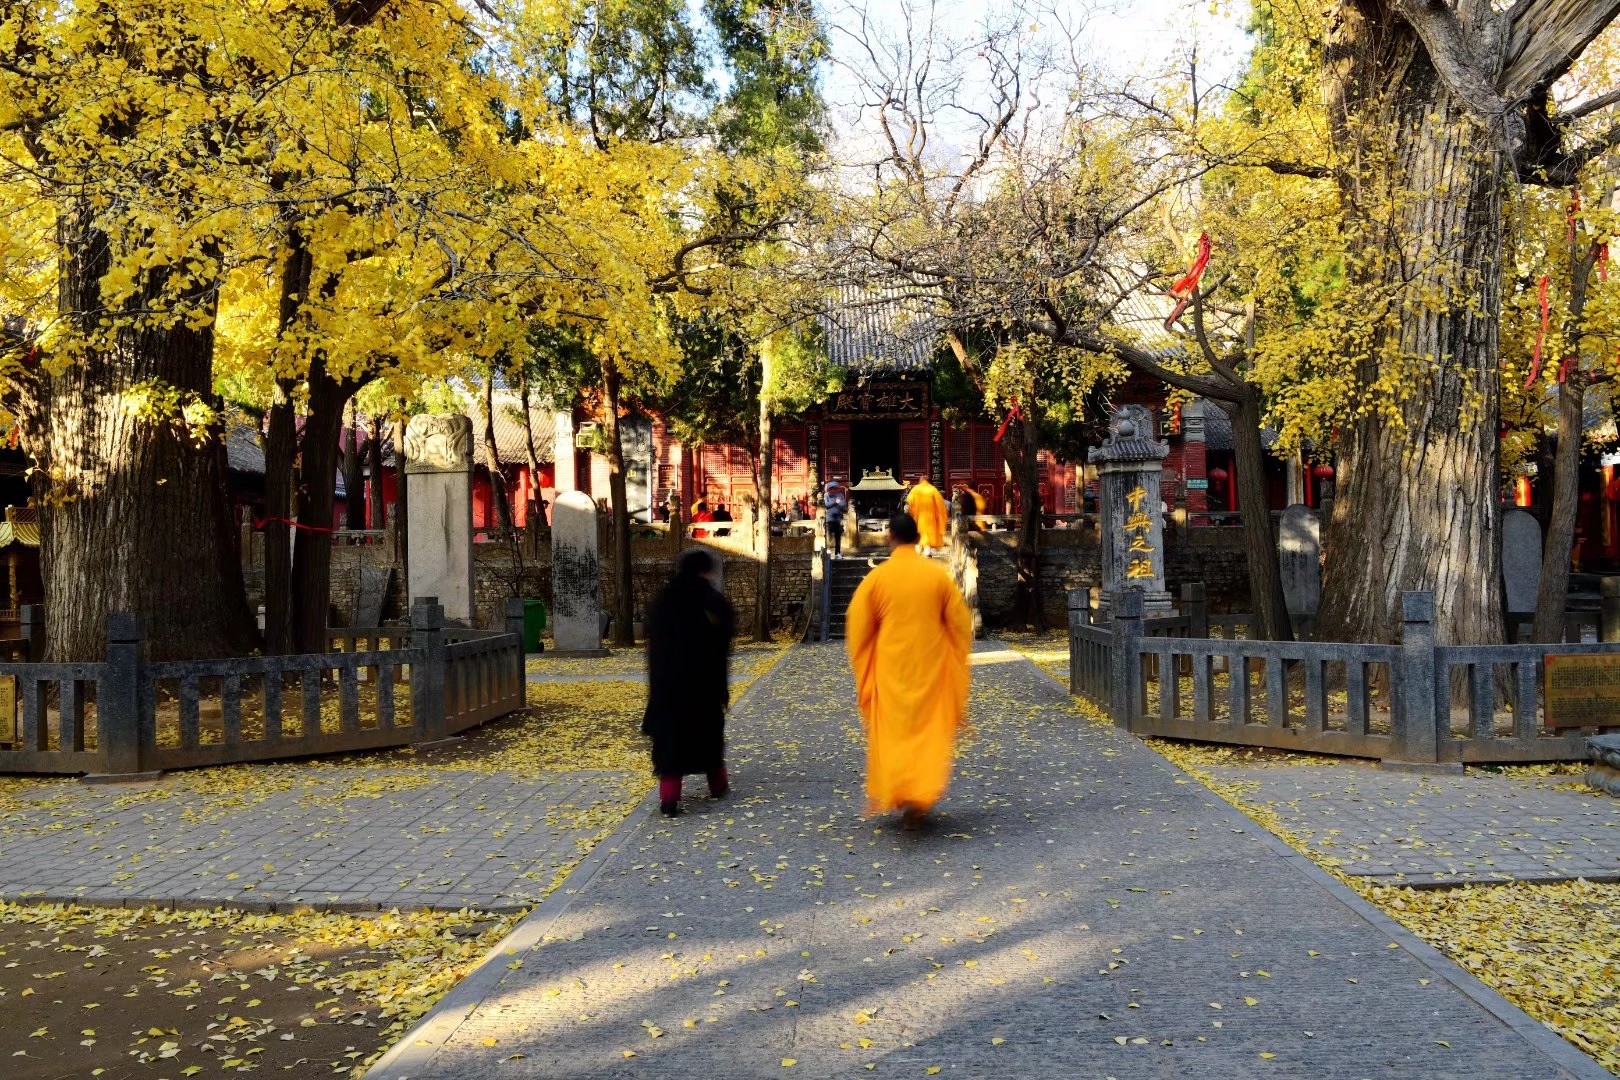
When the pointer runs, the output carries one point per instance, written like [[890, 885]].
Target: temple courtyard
[[1081, 907]]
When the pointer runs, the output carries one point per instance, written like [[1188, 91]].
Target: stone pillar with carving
[[1132, 542], [438, 472]]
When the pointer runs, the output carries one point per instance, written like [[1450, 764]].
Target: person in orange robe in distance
[[927, 508], [908, 633]]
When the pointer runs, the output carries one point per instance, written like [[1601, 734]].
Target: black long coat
[[689, 632]]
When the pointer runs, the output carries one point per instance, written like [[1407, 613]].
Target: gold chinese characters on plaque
[[1582, 691], [1138, 526], [8, 708]]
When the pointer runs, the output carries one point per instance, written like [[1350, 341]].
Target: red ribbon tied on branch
[[260, 523], [1541, 335], [1184, 289], [1014, 413]]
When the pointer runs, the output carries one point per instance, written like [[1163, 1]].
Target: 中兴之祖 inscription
[[1582, 690]]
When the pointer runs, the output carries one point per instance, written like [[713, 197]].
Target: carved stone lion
[[437, 443]]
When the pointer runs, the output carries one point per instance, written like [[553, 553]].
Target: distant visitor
[[689, 632], [927, 507]]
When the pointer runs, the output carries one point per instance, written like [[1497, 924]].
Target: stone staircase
[[844, 576]]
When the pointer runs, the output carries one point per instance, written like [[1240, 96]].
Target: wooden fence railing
[[376, 687], [1416, 704]]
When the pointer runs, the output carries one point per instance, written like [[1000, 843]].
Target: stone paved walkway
[[362, 838], [1442, 829], [1082, 910]]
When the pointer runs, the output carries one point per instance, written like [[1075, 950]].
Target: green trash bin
[[534, 622]]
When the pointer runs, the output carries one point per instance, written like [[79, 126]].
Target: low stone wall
[[1069, 560], [504, 570], [653, 560]]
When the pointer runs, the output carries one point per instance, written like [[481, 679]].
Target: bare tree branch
[[1587, 108], [1544, 38]]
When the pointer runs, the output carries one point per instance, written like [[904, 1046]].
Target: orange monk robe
[[908, 633], [927, 507]]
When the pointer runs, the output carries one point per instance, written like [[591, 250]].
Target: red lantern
[[1323, 472], [1217, 476]]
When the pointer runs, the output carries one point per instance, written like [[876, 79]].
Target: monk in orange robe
[[927, 508], [908, 632]]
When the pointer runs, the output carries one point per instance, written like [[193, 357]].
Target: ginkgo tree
[[139, 132]]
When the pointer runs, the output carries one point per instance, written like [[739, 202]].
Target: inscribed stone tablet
[[8, 708], [1582, 691]]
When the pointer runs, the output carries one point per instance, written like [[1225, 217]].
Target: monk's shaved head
[[903, 529]]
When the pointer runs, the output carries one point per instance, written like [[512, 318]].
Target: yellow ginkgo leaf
[[788, 1063]]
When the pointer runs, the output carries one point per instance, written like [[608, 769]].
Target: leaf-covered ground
[[748, 658], [110, 992], [116, 992], [1553, 949]]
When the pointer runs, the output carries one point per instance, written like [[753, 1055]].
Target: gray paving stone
[[424, 845], [1080, 901], [1441, 829]]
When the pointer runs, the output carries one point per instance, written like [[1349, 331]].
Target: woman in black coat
[[689, 632]]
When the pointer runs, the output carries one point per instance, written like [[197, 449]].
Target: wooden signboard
[[1582, 691], [8, 708]]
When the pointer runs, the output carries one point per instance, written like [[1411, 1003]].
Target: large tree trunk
[[1553, 593], [1416, 503], [135, 503], [280, 464], [402, 546], [624, 600], [492, 457], [1266, 598], [354, 480], [1029, 607], [374, 461], [531, 456], [764, 491], [317, 486]]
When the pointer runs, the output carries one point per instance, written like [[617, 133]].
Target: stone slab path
[[338, 838], [1441, 829], [1081, 910]]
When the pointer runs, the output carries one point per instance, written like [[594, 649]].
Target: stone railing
[[1416, 704], [125, 717]]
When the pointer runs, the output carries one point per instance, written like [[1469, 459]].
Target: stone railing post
[[1079, 615], [1416, 743], [514, 625], [118, 702], [1195, 605], [428, 675], [1125, 660]]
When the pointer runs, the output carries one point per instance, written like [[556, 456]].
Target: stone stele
[[1132, 548], [1521, 560], [576, 577], [1299, 556], [438, 472]]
